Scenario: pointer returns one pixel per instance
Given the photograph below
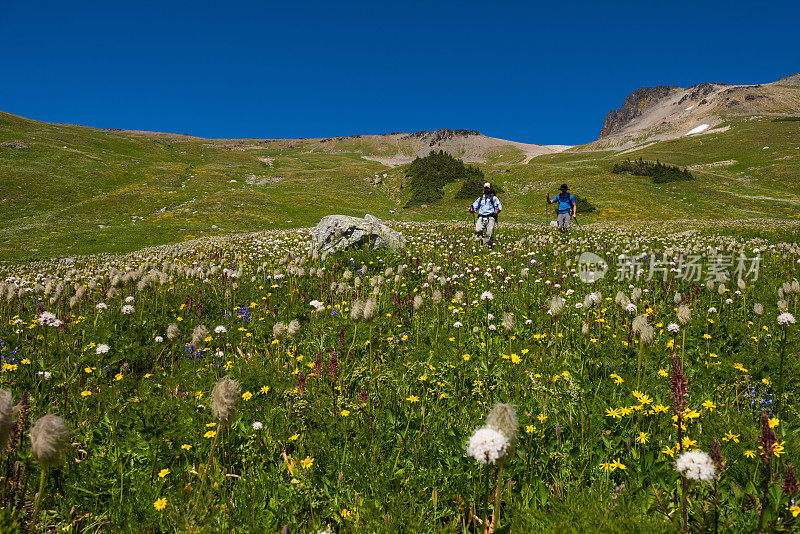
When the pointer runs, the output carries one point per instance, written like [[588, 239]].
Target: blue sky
[[533, 72]]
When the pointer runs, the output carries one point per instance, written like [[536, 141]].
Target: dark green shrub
[[659, 172], [430, 174]]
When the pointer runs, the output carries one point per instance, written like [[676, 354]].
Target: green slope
[[77, 190]]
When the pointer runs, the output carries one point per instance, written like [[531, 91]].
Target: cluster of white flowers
[[220, 329], [487, 445], [159, 339], [257, 425], [494, 440], [674, 328], [487, 295], [631, 308], [48, 319], [696, 465], [101, 306], [786, 318], [129, 299], [102, 349], [127, 309]]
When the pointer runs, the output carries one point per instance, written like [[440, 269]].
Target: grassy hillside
[[78, 190], [67, 190]]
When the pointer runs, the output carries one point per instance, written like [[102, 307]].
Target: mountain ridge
[[668, 112]]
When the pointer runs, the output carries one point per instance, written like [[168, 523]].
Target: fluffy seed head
[[173, 332], [487, 445], [49, 437], [436, 297], [199, 333], [742, 285], [6, 416], [293, 328], [684, 314], [556, 306], [279, 330], [636, 294], [503, 418], [225, 399], [758, 309], [417, 302], [646, 335], [638, 322], [677, 298], [508, 323], [370, 310], [696, 465], [357, 310]]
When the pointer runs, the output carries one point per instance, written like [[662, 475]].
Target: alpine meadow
[[182, 352]]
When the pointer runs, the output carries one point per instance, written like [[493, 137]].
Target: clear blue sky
[[533, 72]]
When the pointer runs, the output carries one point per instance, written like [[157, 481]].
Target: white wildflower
[[696, 465], [487, 445]]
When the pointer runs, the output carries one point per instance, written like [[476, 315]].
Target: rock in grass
[[341, 232]]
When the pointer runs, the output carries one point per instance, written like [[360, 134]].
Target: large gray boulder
[[340, 232]]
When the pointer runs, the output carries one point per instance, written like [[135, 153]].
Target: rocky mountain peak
[[636, 103], [794, 79], [443, 134]]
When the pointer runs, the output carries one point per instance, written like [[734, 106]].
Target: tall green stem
[[35, 516], [205, 469]]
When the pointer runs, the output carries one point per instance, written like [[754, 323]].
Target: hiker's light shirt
[[487, 205], [564, 203]]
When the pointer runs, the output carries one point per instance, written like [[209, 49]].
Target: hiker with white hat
[[488, 208], [566, 208]]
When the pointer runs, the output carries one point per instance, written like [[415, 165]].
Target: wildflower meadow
[[252, 384]]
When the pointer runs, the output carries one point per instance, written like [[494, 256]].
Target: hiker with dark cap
[[566, 208], [488, 208]]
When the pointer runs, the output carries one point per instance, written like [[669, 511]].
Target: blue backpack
[[565, 198]]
